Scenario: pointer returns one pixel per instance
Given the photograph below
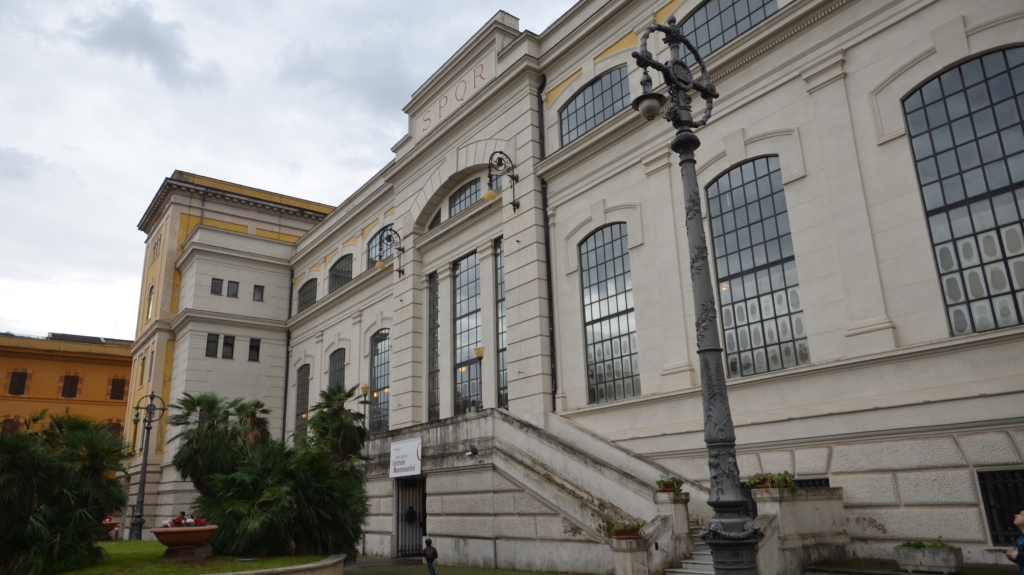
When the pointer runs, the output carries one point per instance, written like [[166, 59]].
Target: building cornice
[[193, 249], [147, 334], [356, 285], [189, 315]]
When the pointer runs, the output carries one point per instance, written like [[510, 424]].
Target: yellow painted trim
[[554, 92], [331, 255], [630, 40], [317, 267], [298, 278], [175, 292], [252, 192], [350, 242], [281, 236], [189, 223], [662, 14], [367, 229], [165, 393], [389, 211]]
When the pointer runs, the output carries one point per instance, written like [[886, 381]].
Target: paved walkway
[[373, 562]]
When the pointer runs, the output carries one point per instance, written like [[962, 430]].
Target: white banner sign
[[405, 457]]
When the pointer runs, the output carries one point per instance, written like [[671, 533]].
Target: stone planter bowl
[[929, 559], [109, 526], [183, 537]]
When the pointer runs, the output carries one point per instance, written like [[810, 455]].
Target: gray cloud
[[133, 31]]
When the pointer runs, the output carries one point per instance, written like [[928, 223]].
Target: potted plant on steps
[[773, 481], [934, 557], [628, 530], [669, 483], [185, 537]]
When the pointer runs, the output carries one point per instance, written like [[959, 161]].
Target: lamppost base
[[135, 532], [733, 541]]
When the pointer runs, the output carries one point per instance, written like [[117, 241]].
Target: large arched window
[[378, 249], [301, 399], [380, 380], [336, 373], [759, 292], [340, 273], [307, 295], [499, 304], [609, 324], [717, 22], [968, 143], [464, 197], [594, 104]]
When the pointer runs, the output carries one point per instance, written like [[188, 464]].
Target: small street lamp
[[389, 238], [499, 165], [154, 413], [730, 534]]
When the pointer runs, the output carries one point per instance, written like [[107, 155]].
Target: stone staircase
[[699, 563]]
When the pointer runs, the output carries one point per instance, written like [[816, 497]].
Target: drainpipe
[[547, 248], [287, 357]]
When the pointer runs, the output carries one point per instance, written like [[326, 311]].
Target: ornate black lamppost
[[501, 165], [154, 413], [389, 238], [732, 536]]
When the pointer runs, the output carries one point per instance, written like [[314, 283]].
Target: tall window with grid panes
[[968, 142], [466, 300], [380, 380], [609, 322], [433, 348], [499, 304], [759, 292]]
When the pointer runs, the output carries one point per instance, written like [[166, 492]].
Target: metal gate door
[[411, 515]]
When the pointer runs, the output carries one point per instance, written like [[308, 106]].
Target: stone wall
[[896, 489]]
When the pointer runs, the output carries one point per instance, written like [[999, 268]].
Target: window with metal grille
[[216, 286], [10, 426], [336, 373], [717, 22], [212, 343], [464, 197], [380, 380], [499, 296], [378, 249], [816, 482], [117, 387], [70, 387], [609, 324], [466, 300], [341, 273], [18, 381], [967, 139], [232, 289], [594, 104], [257, 293], [254, 350], [433, 349], [759, 292], [1002, 495], [301, 399], [228, 349], [307, 295]]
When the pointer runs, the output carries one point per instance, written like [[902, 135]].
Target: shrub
[[777, 480], [56, 487], [268, 498], [936, 544]]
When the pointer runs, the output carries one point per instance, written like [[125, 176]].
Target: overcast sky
[[99, 101]]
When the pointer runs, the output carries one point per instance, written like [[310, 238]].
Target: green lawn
[[140, 557]]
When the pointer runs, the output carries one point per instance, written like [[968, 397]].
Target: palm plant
[[210, 442], [252, 419], [341, 430], [56, 486]]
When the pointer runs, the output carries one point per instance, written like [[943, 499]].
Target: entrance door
[[411, 515]]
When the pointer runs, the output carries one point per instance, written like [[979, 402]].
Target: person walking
[[1016, 554], [430, 554]]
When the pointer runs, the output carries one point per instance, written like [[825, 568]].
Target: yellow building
[[64, 373]]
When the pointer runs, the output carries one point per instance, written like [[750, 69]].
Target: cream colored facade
[[891, 407]]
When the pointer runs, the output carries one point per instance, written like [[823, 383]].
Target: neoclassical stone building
[[864, 193]]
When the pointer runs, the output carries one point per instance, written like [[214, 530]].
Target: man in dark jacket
[[430, 554]]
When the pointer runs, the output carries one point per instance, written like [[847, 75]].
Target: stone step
[[689, 571], [699, 555], [696, 565]]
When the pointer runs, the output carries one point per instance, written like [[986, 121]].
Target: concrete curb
[[333, 565]]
